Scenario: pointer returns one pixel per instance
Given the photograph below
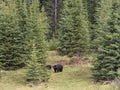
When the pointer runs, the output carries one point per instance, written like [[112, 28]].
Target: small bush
[[53, 44]]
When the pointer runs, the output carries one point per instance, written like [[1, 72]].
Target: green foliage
[[28, 3], [11, 39], [50, 10], [91, 6], [73, 28], [108, 33], [101, 25], [21, 13], [53, 44], [36, 72], [37, 46]]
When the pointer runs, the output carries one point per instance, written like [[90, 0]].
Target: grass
[[54, 56], [74, 77]]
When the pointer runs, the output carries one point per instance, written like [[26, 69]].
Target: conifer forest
[[59, 44]]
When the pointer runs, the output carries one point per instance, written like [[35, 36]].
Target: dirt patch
[[77, 60], [72, 61], [63, 62]]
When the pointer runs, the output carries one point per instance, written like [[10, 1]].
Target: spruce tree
[[11, 49], [36, 71], [91, 6], [101, 25], [73, 28], [21, 13], [53, 10], [108, 55]]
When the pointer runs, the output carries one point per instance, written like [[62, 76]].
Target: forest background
[[29, 29]]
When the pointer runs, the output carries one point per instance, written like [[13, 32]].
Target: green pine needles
[[73, 28], [37, 71], [11, 39], [22, 39], [108, 41]]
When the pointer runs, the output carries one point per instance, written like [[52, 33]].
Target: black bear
[[58, 68], [48, 67]]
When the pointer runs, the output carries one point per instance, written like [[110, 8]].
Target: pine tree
[[36, 71], [28, 3], [101, 25], [108, 55], [11, 54], [73, 28], [21, 13], [91, 6], [53, 12]]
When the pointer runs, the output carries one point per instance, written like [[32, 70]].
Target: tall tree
[[21, 12], [36, 65], [53, 9], [11, 39], [73, 28], [91, 7], [28, 3], [108, 33]]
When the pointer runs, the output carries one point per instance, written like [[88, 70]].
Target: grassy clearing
[[74, 77], [54, 58]]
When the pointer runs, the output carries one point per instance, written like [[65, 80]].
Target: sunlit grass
[[54, 56]]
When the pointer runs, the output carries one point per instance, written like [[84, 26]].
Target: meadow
[[73, 77]]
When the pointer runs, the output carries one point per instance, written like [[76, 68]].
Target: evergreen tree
[[53, 10], [36, 65], [21, 13], [91, 6], [101, 25], [28, 3], [11, 49], [73, 28], [108, 55]]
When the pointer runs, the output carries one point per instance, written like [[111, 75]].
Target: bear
[[48, 67], [58, 68]]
